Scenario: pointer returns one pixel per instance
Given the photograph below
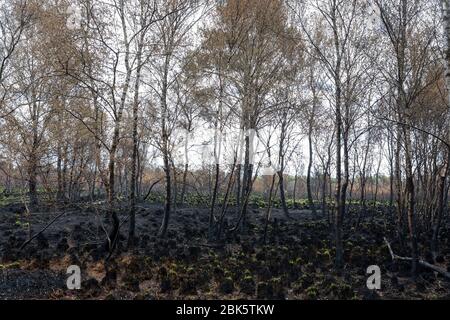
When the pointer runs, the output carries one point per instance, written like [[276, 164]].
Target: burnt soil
[[296, 262]]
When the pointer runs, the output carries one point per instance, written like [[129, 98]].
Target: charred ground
[[296, 262]]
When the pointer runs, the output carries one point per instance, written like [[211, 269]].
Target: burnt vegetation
[[255, 149]]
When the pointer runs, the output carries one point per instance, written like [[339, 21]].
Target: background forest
[[232, 149]]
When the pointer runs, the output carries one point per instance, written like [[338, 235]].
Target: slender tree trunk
[[398, 186], [113, 234], [340, 206], [295, 189], [269, 208], [134, 159], [239, 169], [32, 171], [340, 191], [217, 151], [59, 194], [281, 161], [32, 180], [411, 202], [167, 205], [282, 193], [165, 151], [346, 166], [440, 210], [245, 177], [324, 193], [225, 201], [308, 174], [214, 196], [184, 182], [377, 178]]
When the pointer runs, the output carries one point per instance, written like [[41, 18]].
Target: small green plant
[[312, 292]]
